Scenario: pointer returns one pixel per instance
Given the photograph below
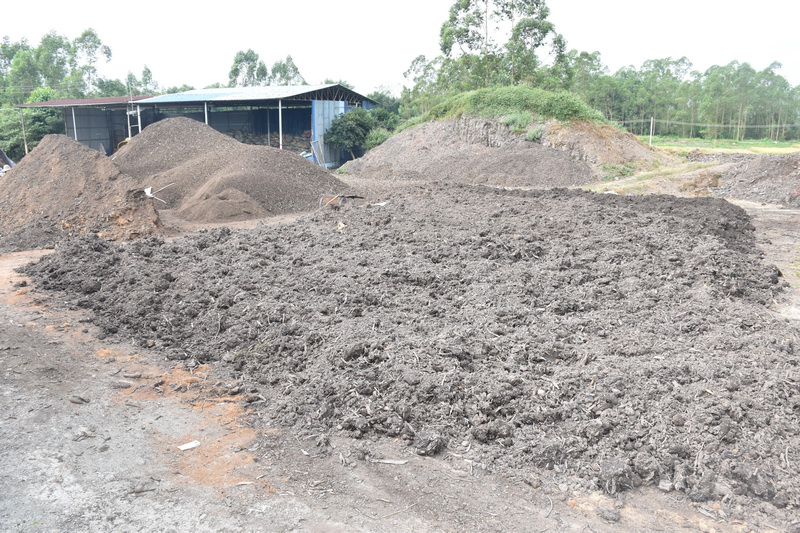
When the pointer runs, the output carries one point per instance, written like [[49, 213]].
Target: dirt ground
[[439, 357]]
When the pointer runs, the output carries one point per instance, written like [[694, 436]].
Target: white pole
[[280, 125], [74, 126], [24, 135], [652, 127], [205, 107], [139, 117]]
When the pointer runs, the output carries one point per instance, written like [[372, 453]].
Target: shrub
[[534, 134], [376, 137], [518, 121]]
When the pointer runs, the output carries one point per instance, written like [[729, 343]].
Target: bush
[[535, 134], [518, 121], [349, 130], [376, 137]]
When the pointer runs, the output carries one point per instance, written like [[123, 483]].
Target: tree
[[496, 40], [247, 70], [329, 81], [146, 86], [285, 72], [87, 49], [385, 99], [349, 130], [181, 89], [23, 76], [109, 87]]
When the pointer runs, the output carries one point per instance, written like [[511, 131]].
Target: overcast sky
[[371, 43]]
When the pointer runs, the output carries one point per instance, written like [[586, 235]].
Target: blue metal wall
[[322, 114]]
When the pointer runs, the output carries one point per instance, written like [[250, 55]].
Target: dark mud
[[605, 341]]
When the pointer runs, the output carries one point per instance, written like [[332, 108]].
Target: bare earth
[[630, 362]]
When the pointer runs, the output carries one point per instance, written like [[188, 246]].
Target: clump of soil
[[485, 152], [63, 189], [768, 178], [208, 176], [599, 340]]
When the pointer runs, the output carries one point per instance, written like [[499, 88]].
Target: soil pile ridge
[[63, 189], [485, 152], [208, 176], [768, 178], [601, 340]]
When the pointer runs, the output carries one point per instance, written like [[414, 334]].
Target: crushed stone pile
[[63, 189], [768, 178], [484, 152], [585, 339], [207, 176]]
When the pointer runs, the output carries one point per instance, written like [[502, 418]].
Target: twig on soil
[[550, 510]]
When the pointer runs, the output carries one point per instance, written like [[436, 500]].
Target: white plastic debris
[[189, 445]]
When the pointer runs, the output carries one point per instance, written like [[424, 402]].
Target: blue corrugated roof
[[236, 94]]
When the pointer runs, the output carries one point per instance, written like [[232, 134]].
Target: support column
[[280, 124]]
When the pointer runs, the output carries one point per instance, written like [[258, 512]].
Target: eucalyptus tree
[[285, 72], [87, 50], [494, 42], [247, 70]]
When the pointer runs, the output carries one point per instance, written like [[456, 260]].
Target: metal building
[[277, 113]]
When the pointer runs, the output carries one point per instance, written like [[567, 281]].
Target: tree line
[[494, 43], [483, 44]]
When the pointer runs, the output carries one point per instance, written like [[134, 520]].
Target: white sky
[[370, 44]]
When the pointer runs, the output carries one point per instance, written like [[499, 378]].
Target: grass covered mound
[[517, 106]]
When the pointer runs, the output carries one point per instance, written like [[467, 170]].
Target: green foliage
[[285, 72], [349, 130], [144, 86], [610, 171], [383, 118], [329, 81], [11, 140], [247, 70], [386, 100], [534, 134], [508, 101], [376, 136], [518, 120]]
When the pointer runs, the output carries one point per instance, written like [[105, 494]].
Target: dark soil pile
[[63, 189], [210, 177], [484, 152], [469, 151], [771, 179], [598, 340]]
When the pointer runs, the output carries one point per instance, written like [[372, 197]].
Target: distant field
[[762, 146]]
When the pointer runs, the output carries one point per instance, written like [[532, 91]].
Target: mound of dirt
[[63, 189], [469, 151], [582, 339], [208, 176], [603, 146], [768, 178], [484, 152]]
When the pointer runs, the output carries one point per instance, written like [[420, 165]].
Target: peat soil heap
[[207, 176], [477, 151], [768, 178], [63, 189], [469, 151], [598, 340]]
